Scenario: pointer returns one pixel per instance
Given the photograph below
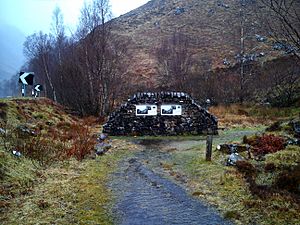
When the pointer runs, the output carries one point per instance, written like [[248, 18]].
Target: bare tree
[[283, 19], [58, 31], [174, 62], [59, 44], [38, 47], [100, 54], [85, 71], [280, 81], [92, 42]]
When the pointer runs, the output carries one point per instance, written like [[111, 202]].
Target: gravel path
[[145, 197]]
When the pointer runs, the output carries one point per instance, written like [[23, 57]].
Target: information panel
[[171, 110], [146, 110]]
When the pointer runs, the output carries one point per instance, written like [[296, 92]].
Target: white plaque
[[146, 110], [171, 110]]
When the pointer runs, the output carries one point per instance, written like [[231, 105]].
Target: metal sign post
[[37, 90], [23, 90]]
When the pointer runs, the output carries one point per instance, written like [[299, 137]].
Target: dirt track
[[146, 197]]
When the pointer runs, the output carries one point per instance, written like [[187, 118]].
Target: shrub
[[274, 127], [233, 214], [268, 144], [60, 142], [83, 142], [43, 150]]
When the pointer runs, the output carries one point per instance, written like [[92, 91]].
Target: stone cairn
[[193, 120]]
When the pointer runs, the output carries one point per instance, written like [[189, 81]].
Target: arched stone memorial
[[161, 113]]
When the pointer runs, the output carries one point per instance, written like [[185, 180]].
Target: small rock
[[133, 160], [292, 142], [179, 10], [102, 137], [102, 148], [16, 153], [211, 12], [226, 62], [24, 130], [260, 38], [233, 158]]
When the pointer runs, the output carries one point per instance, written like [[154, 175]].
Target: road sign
[[38, 87], [26, 78]]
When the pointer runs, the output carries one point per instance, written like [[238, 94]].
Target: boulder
[[233, 159], [102, 148]]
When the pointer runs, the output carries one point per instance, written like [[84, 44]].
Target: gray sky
[[34, 15]]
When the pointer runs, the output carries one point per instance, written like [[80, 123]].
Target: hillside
[[213, 29]]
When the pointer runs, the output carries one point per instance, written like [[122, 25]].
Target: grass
[[247, 115], [226, 189], [71, 192], [17, 175], [21, 177], [40, 110], [286, 158]]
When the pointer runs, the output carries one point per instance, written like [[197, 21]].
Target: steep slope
[[213, 29]]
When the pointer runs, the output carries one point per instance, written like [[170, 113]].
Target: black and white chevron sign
[[38, 87], [26, 78]]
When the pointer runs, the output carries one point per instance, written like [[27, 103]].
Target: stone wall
[[193, 120]]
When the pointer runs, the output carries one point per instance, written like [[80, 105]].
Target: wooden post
[[209, 140]]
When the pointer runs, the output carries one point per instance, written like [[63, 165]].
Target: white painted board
[[146, 110], [171, 110]]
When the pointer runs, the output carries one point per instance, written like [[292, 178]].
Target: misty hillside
[[11, 54], [213, 29]]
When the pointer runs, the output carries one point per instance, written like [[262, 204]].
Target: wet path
[[145, 197]]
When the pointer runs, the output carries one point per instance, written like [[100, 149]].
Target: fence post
[[209, 141]]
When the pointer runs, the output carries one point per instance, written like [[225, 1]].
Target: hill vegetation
[[227, 51]]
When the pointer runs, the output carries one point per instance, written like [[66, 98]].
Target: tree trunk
[[90, 78], [49, 79]]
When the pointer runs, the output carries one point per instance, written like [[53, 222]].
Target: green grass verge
[[225, 188], [17, 176], [70, 192]]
